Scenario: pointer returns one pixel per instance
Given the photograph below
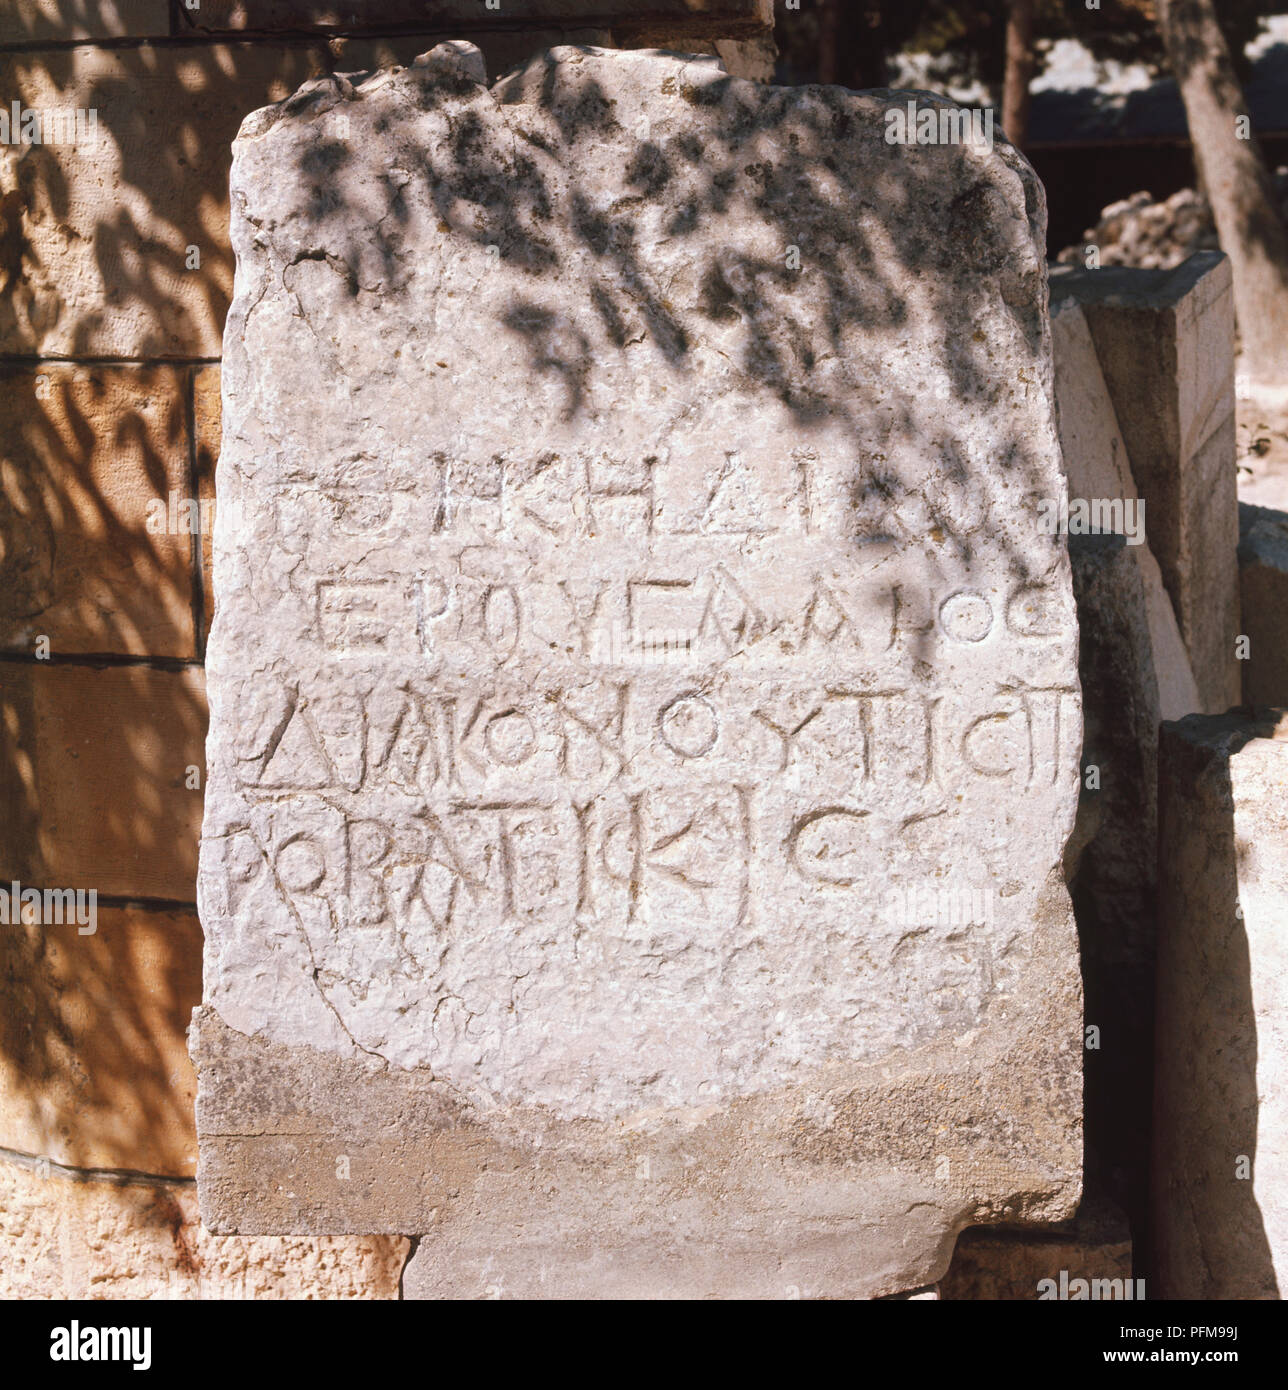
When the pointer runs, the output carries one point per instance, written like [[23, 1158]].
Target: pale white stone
[[1165, 344], [616, 618], [1096, 461]]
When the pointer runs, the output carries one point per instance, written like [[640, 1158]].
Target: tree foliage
[[969, 35]]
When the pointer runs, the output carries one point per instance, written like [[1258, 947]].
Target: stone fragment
[[95, 552], [645, 711], [65, 1237], [103, 769], [1098, 468], [1220, 1106], [754, 58], [1263, 589], [1165, 341]]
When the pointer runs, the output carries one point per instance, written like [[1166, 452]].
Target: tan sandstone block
[[62, 1238], [95, 763], [1220, 1162], [36, 21], [87, 454], [94, 1069]]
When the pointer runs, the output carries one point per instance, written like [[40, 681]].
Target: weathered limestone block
[[1263, 588], [1221, 1109], [1094, 1247], [630, 614], [62, 1236], [1098, 468], [1165, 340]]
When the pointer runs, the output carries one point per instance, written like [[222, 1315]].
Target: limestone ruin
[[634, 584]]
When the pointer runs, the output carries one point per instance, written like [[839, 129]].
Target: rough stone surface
[[206, 417], [1120, 726], [97, 259], [1115, 883], [992, 1264], [34, 21], [95, 764], [86, 450], [1263, 588], [1221, 1111], [62, 1237], [1096, 461], [94, 1067], [1165, 341], [611, 613]]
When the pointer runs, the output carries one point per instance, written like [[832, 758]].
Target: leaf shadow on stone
[[863, 288], [792, 323], [54, 986]]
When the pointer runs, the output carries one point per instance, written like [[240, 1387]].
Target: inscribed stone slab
[[631, 612]]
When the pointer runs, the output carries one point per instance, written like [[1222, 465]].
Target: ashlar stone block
[[1099, 470], [1165, 340]]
